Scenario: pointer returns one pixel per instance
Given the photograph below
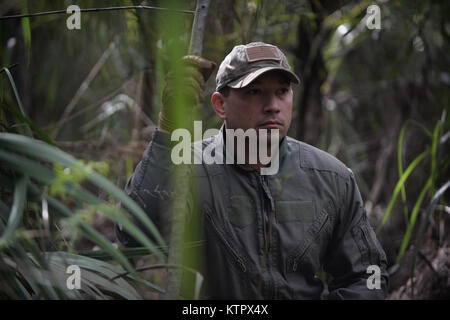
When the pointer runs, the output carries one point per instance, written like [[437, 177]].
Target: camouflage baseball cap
[[247, 62]]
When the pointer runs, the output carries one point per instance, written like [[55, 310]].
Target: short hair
[[225, 91]]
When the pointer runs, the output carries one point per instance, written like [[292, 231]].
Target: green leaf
[[399, 185], [43, 151], [16, 94], [4, 211], [400, 166], [28, 167], [24, 292], [94, 273], [412, 222], [32, 125], [15, 217], [91, 233], [434, 145], [46, 176], [135, 252]]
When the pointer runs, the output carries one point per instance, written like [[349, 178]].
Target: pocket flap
[[294, 210]]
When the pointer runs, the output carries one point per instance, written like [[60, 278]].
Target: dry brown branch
[[102, 100], [382, 164], [433, 280], [85, 85]]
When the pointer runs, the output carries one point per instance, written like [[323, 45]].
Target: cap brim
[[249, 78]]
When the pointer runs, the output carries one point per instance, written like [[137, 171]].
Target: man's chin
[[271, 134]]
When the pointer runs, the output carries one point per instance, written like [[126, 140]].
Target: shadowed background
[[376, 99]]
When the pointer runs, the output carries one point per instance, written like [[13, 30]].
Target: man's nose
[[271, 103]]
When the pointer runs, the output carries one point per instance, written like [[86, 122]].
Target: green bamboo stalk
[[182, 173]]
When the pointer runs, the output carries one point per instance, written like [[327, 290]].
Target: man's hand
[[184, 90]]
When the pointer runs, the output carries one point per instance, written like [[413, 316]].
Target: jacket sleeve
[[357, 263], [151, 188]]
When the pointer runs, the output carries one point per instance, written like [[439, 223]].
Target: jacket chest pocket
[[242, 211], [226, 243], [310, 250]]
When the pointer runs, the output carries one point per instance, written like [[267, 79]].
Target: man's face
[[266, 103]]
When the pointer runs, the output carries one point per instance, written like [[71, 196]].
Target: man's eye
[[283, 91], [253, 91]]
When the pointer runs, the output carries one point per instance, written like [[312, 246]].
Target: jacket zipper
[[300, 256], [227, 245], [264, 220], [267, 213]]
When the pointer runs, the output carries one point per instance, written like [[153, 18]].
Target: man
[[266, 236]]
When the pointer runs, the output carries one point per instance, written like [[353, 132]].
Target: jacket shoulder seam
[[314, 158]]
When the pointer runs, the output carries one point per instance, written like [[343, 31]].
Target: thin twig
[[109, 96], [382, 165], [428, 263], [80, 144], [19, 16]]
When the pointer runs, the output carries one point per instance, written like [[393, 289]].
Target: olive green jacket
[[269, 237]]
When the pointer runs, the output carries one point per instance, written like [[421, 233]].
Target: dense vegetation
[[78, 108]]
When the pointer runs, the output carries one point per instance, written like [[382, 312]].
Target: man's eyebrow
[[285, 81], [282, 80], [256, 81]]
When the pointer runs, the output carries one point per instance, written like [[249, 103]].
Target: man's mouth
[[271, 124]]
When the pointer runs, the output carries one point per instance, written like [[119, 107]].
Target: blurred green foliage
[[96, 93]]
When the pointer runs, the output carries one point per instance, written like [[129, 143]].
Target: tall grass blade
[[400, 167], [33, 126], [90, 232], [412, 222], [26, 166], [16, 94], [4, 211], [15, 217], [434, 145], [399, 185]]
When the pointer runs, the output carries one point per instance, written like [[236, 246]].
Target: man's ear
[[218, 102]]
